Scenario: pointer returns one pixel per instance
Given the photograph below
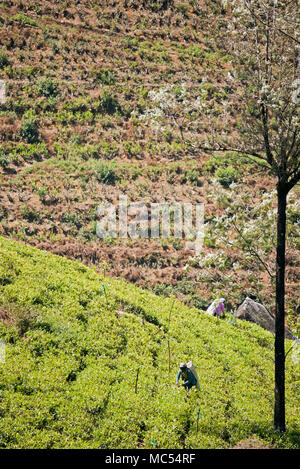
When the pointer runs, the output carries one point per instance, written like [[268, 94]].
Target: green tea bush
[[157, 5], [29, 213], [4, 157], [106, 77], [110, 104], [192, 176], [183, 8], [27, 152], [195, 51], [4, 62], [227, 176], [47, 87], [105, 172], [30, 128], [133, 149], [73, 219], [95, 366], [22, 18]]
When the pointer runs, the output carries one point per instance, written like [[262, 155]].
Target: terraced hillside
[[79, 77], [91, 361]]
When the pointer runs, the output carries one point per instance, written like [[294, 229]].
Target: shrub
[[227, 176], [158, 5], [183, 8], [107, 150], [3, 60], [8, 269], [85, 152], [72, 219], [133, 149], [192, 176], [106, 77], [4, 158], [25, 19], [47, 87], [30, 128], [105, 173], [109, 103], [224, 160], [195, 51], [30, 214], [29, 152]]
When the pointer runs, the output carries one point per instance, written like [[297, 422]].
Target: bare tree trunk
[[279, 409]]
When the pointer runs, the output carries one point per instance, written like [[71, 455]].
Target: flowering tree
[[173, 106], [249, 229], [268, 50], [263, 40]]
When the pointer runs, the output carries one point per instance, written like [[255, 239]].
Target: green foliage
[[30, 214], [109, 103], [105, 172], [73, 219], [183, 7], [4, 62], [69, 380], [195, 51], [192, 176], [227, 176], [106, 77], [20, 17], [156, 6], [47, 87], [30, 128], [26, 152], [227, 167], [4, 158], [223, 160], [133, 149]]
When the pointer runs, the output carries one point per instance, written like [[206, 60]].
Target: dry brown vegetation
[[100, 63]]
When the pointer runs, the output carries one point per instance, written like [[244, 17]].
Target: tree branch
[[262, 22], [264, 116], [252, 251], [294, 180], [221, 149]]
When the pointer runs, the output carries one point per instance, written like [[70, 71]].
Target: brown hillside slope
[[77, 74]]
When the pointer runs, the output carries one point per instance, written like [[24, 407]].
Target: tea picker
[[187, 372], [217, 308]]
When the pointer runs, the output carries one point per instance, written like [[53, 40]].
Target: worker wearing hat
[[186, 375]]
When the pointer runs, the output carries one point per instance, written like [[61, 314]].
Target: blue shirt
[[189, 378]]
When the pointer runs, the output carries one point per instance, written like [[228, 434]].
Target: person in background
[[220, 310]]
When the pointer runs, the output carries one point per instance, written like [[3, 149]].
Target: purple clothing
[[220, 309]]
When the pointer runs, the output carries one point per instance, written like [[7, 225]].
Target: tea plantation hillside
[[79, 82], [87, 365]]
